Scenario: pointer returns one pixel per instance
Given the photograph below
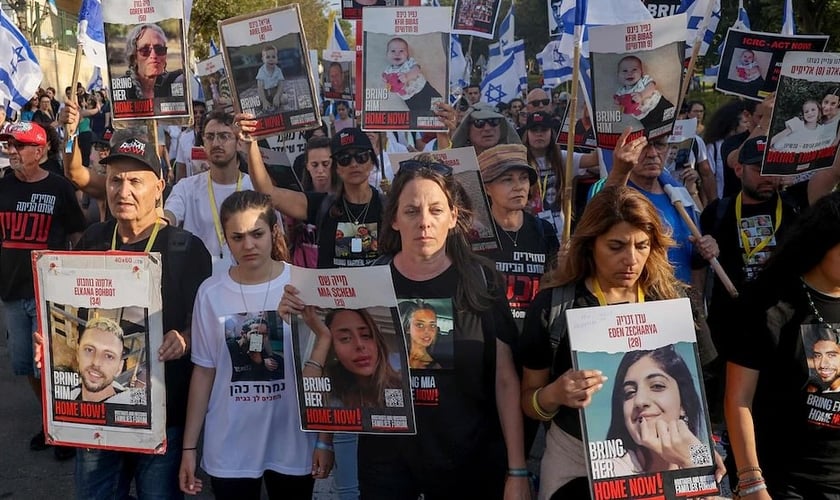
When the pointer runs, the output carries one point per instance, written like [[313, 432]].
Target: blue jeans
[[21, 322], [346, 472], [105, 474]]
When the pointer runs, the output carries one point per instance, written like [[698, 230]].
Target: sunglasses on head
[[540, 102], [146, 50], [344, 159], [479, 123], [415, 165]]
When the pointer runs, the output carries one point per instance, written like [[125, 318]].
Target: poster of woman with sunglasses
[[406, 67], [266, 56], [146, 59]]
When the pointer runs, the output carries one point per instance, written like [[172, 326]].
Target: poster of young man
[[214, 81], [584, 131], [350, 352], [476, 17], [267, 57], [555, 18], [146, 59], [405, 67], [648, 352], [751, 61], [464, 165], [803, 128], [339, 79], [100, 314], [636, 76]]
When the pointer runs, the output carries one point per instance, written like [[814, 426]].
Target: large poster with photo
[[680, 154], [803, 128], [350, 352], [584, 131], [476, 17], [100, 314], [146, 51], [649, 353], [751, 61], [636, 76], [464, 164], [215, 83], [268, 60], [339, 79], [405, 67]]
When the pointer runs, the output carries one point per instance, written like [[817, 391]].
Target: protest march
[[420, 249]]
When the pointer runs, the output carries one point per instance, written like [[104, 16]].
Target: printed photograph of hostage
[[427, 324], [255, 344], [638, 94], [823, 358]]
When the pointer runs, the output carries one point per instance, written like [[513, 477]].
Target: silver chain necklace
[[515, 238], [825, 324], [267, 291], [353, 216]]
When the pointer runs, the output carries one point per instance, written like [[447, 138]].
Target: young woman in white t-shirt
[[242, 388]]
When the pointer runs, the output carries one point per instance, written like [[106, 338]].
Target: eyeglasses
[[17, 145], [416, 165], [344, 159], [540, 102], [211, 137], [146, 50], [479, 123]]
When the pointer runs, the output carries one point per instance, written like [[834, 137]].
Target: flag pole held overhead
[[568, 192]]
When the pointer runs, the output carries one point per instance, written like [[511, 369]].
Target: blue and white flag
[[336, 39], [501, 83], [95, 82], [20, 73], [92, 32], [788, 24], [459, 73], [506, 30], [556, 67], [607, 12], [214, 50], [695, 11], [743, 21], [53, 8]]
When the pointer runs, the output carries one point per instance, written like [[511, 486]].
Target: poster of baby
[[636, 77], [268, 62], [144, 43], [405, 67]]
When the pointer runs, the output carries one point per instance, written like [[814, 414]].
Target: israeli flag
[[336, 39], [788, 24], [695, 11], [501, 83], [95, 82], [556, 67], [458, 64], [743, 21], [92, 32], [214, 50], [20, 73]]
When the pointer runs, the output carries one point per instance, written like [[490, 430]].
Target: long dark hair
[[248, 199]]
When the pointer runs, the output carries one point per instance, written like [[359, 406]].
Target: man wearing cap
[[186, 141], [134, 188], [337, 217], [482, 128], [38, 211], [196, 200]]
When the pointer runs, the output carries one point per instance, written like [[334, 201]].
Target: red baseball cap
[[24, 133]]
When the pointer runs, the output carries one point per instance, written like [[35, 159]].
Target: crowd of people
[[226, 234]]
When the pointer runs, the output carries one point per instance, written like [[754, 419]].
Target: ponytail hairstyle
[[248, 199]]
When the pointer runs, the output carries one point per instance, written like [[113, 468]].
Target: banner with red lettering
[[350, 351], [646, 432], [267, 57], [483, 235], [751, 61], [145, 44], [215, 83], [803, 126], [637, 72], [476, 17], [100, 316], [405, 67]]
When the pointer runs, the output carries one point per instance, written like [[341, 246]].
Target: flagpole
[[74, 95], [695, 51], [568, 192]]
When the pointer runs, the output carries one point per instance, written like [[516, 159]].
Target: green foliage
[[793, 93]]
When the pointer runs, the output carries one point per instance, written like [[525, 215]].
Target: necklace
[[356, 218], [267, 291], [823, 323], [514, 238]]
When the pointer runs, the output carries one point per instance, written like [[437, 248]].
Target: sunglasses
[[146, 50], [479, 123], [344, 159], [540, 102], [17, 145], [416, 165]]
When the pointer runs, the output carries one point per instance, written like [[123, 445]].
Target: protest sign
[[350, 352], [146, 50], [648, 351], [803, 126], [405, 67], [751, 61], [100, 315], [214, 81], [267, 57], [476, 17], [584, 138], [339, 79], [636, 76]]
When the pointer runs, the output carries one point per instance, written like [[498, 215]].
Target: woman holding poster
[[255, 412], [618, 253]]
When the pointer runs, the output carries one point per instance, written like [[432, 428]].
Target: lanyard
[[220, 235], [745, 240], [149, 244], [602, 300]]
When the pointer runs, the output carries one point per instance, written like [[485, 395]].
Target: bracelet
[[744, 470], [541, 413], [742, 492], [320, 445], [750, 480], [188, 449], [518, 473], [311, 362]]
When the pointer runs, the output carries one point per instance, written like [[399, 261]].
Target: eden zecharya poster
[[100, 315], [654, 390], [350, 352]]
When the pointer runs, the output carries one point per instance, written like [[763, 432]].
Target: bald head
[[537, 100]]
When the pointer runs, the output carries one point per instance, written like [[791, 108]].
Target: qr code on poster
[[394, 398], [137, 397], [700, 454]]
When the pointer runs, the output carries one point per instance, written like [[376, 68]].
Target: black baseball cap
[[134, 148], [350, 138], [539, 119], [752, 151]]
